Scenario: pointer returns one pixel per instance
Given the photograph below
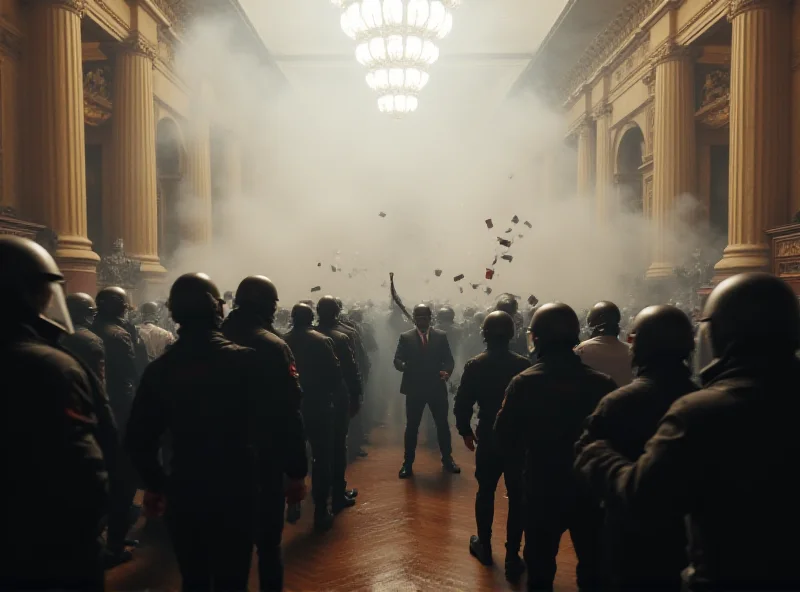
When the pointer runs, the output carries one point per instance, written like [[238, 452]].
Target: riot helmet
[[446, 315], [112, 302], [82, 308], [660, 334], [604, 319], [509, 304], [328, 310], [302, 315], [498, 327], [150, 312], [554, 326], [258, 294], [194, 300]]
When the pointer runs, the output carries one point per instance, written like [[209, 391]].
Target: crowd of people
[[218, 405]]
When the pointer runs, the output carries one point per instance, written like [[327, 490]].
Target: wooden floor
[[401, 536]]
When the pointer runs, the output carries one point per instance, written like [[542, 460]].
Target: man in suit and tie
[[423, 356]]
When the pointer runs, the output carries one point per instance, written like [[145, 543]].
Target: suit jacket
[[421, 366]]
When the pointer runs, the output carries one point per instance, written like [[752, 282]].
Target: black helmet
[[82, 308], [195, 300], [478, 318], [661, 333], [302, 315], [554, 326], [149, 311], [498, 326], [112, 302], [604, 318], [446, 314], [256, 290], [421, 310], [507, 303], [328, 309], [756, 312], [30, 282]]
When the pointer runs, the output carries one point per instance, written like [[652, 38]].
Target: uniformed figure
[[725, 455], [234, 431], [541, 417], [321, 378], [346, 400], [646, 555], [603, 351], [55, 491], [123, 364], [474, 340], [250, 325], [445, 321], [510, 305], [423, 356], [156, 340], [83, 343], [484, 382]]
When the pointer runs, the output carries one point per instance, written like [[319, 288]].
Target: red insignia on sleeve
[[293, 370]]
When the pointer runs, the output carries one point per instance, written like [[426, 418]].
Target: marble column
[[759, 149], [196, 206], [586, 165], [604, 174], [56, 164], [134, 211], [674, 146]]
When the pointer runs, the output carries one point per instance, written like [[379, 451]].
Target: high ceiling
[[491, 43]]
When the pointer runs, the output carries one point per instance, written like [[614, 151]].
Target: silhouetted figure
[[423, 356], [509, 304], [603, 351], [725, 455], [541, 417], [646, 554], [484, 382], [84, 343], [55, 492]]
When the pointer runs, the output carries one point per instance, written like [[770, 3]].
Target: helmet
[[421, 310], [195, 300], [755, 312], [302, 315], [507, 304], [256, 290], [498, 326], [82, 308], [661, 332], [31, 283], [478, 318], [149, 311], [604, 317], [340, 304], [553, 326], [328, 309], [446, 314], [112, 302]]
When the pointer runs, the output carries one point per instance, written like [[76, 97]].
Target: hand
[[444, 375], [295, 491], [154, 504], [469, 441]]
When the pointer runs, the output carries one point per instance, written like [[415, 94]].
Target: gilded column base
[[660, 270], [742, 259], [78, 263]]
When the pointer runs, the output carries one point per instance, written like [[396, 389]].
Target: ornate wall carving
[[136, 43], [166, 48], [96, 96], [177, 12], [714, 109], [630, 64], [739, 6]]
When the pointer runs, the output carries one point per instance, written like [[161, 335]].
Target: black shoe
[[293, 513], [337, 505], [449, 466], [405, 471], [362, 453], [112, 559], [481, 552], [515, 567], [351, 493], [323, 521]]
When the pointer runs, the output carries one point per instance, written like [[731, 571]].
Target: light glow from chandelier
[[396, 42]]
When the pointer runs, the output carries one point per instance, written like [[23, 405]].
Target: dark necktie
[[424, 340]]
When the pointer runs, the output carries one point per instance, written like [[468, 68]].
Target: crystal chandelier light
[[396, 41]]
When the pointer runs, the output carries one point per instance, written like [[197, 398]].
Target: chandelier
[[396, 41]]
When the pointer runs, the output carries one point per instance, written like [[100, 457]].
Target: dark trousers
[[318, 419], [270, 557], [415, 407], [489, 466], [341, 423], [212, 553], [122, 491], [546, 521]]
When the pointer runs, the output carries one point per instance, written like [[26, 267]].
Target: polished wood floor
[[401, 536]]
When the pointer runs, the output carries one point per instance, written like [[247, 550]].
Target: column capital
[[584, 125], [136, 43], [602, 109], [76, 6], [738, 7], [670, 50]]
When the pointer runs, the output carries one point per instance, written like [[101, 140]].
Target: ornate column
[[674, 146], [56, 162], [196, 199], [586, 165], [134, 211], [604, 175], [759, 112]]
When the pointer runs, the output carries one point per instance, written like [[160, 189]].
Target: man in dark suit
[[423, 356]]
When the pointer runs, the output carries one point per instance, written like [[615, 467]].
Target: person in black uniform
[[646, 555], [423, 356], [56, 495], [519, 343], [724, 456], [541, 417], [484, 382], [84, 343], [121, 377], [320, 377], [234, 431], [346, 399], [250, 325]]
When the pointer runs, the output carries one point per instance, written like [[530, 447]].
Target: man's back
[[609, 355], [89, 348], [317, 364]]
